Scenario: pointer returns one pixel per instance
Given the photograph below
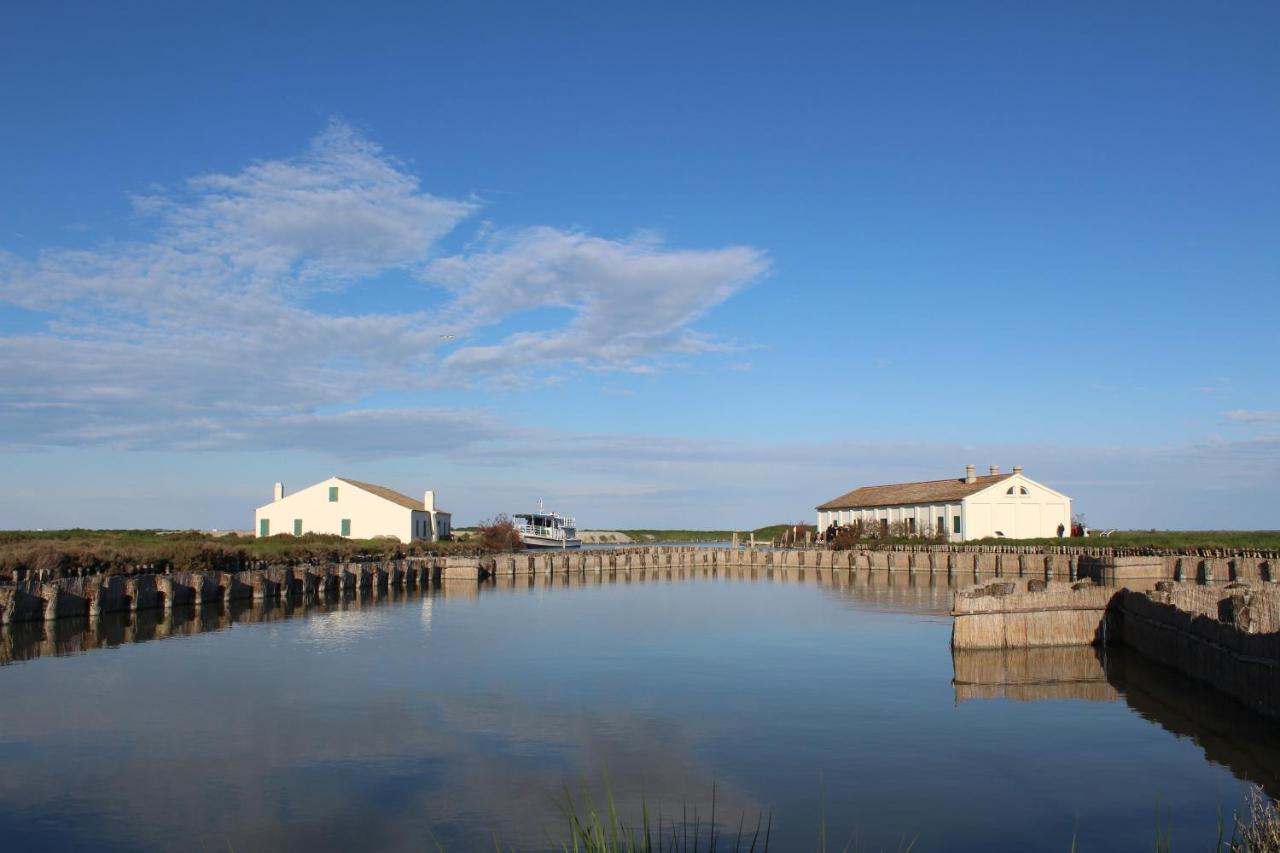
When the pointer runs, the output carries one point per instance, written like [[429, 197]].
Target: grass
[[593, 829], [762, 534], [62, 552], [596, 829], [1171, 540]]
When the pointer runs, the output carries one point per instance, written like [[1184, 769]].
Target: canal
[[464, 714]]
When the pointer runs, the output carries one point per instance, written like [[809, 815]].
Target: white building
[[355, 510], [1011, 506]]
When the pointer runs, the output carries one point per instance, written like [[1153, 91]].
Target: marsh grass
[[62, 552], [1171, 540], [598, 827], [1260, 833]]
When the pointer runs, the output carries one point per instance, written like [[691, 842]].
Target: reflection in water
[[1029, 675], [463, 712], [1230, 733], [352, 612]]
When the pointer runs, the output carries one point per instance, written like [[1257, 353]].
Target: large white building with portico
[[1008, 506], [353, 509]]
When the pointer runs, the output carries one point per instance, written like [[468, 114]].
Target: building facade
[[355, 510], [1008, 506]]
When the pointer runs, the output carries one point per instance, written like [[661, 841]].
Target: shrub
[[499, 535]]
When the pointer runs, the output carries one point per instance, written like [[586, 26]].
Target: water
[[463, 714]]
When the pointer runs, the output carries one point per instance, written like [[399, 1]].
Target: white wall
[[1033, 515], [370, 515], [925, 515]]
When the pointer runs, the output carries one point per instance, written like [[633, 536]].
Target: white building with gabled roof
[[355, 510], [1009, 506]]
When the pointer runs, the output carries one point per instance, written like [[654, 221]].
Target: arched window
[[1022, 490]]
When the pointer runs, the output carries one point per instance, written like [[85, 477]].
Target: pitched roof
[[898, 494], [386, 494]]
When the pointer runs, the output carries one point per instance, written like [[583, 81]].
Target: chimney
[[1017, 469], [429, 501], [968, 474], [279, 492], [993, 470]]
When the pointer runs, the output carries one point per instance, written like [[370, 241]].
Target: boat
[[543, 529]]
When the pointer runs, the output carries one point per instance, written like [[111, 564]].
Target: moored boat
[[547, 530]]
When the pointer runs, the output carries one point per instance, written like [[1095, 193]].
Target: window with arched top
[[1022, 490], [1017, 490], [1010, 491]]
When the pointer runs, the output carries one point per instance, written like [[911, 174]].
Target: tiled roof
[[390, 495], [899, 494]]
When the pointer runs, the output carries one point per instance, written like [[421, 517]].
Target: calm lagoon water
[[464, 714]]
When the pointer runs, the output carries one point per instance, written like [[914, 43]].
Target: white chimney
[[993, 470], [968, 474], [429, 501], [1017, 469], [279, 492]]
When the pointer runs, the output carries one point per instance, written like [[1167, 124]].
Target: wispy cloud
[[1249, 416], [205, 334], [631, 299]]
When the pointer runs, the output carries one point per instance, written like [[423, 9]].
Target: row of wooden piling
[[39, 598]]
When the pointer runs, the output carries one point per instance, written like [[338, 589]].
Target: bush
[[498, 536]]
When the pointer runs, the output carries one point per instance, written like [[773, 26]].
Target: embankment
[[1227, 637], [43, 595]]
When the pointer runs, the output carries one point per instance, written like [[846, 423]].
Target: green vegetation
[[593, 829], [64, 552], [763, 534], [601, 830], [1172, 540]]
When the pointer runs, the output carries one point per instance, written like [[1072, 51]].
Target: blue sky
[[661, 265]]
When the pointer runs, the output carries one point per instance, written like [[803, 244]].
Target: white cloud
[[1247, 416], [206, 335], [630, 299]]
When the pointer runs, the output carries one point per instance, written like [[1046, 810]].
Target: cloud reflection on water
[[466, 714]]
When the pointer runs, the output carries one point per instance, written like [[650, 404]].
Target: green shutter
[[333, 494], [346, 527], [264, 527], [297, 527]]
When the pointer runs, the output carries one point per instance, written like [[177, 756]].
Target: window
[[884, 527], [1022, 490], [955, 524], [942, 523], [333, 494], [264, 527], [1010, 491], [346, 527], [297, 527], [911, 525]]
